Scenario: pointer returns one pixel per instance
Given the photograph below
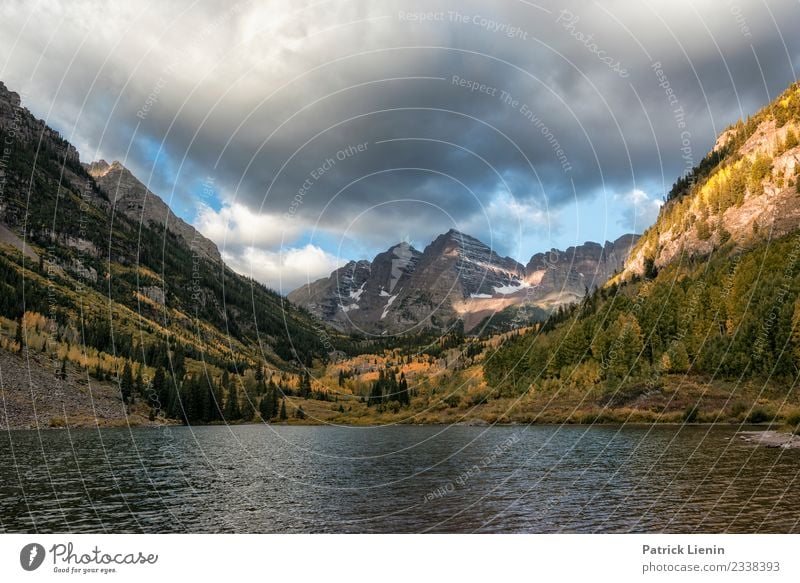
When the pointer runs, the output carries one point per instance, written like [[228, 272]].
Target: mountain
[[456, 277], [580, 268], [133, 198], [98, 277], [709, 296]]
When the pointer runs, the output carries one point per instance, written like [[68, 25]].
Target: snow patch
[[481, 296], [515, 286], [356, 295], [388, 305], [346, 309]]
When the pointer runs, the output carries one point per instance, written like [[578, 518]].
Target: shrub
[[793, 420], [703, 232], [791, 140], [760, 415], [690, 413], [738, 409], [452, 401]]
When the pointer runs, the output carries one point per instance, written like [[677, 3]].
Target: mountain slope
[[745, 189], [456, 277], [712, 289], [106, 290], [133, 198]]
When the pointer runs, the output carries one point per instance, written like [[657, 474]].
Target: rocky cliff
[[135, 200]]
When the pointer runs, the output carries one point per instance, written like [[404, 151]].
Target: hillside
[[710, 295], [99, 276], [745, 190]]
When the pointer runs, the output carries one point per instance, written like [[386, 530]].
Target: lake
[[538, 479]]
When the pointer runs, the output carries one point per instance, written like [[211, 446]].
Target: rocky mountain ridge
[[137, 202], [456, 277]]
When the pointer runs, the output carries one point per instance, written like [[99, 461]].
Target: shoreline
[[766, 437]]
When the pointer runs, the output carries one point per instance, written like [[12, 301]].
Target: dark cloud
[[258, 96]]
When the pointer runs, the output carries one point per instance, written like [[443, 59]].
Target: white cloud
[[283, 270], [639, 211], [237, 225], [258, 245], [509, 223]]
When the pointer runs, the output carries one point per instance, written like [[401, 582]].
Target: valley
[[454, 333]]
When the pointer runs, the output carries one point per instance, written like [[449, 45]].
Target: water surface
[[396, 479]]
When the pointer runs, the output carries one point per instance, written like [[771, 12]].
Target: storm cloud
[[334, 129]]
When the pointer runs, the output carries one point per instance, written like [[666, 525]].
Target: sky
[[300, 135]]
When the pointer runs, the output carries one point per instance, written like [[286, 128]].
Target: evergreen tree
[[159, 389], [179, 362], [217, 393], [19, 338], [138, 384], [402, 392], [300, 414], [174, 407], [283, 415], [341, 378], [206, 390], [376, 395], [189, 401], [232, 412], [126, 383], [305, 386], [265, 408], [248, 409]]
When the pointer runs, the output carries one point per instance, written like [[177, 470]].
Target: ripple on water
[[326, 479]]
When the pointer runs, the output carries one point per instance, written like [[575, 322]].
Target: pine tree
[[138, 384], [173, 400], [207, 400], [376, 395], [300, 414], [62, 374], [305, 386], [272, 395], [248, 409], [402, 392], [126, 383], [178, 362], [189, 398], [265, 408], [159, 392], [19, 338], [232, 412], [341, 378], [283, 415], [215, 400]]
